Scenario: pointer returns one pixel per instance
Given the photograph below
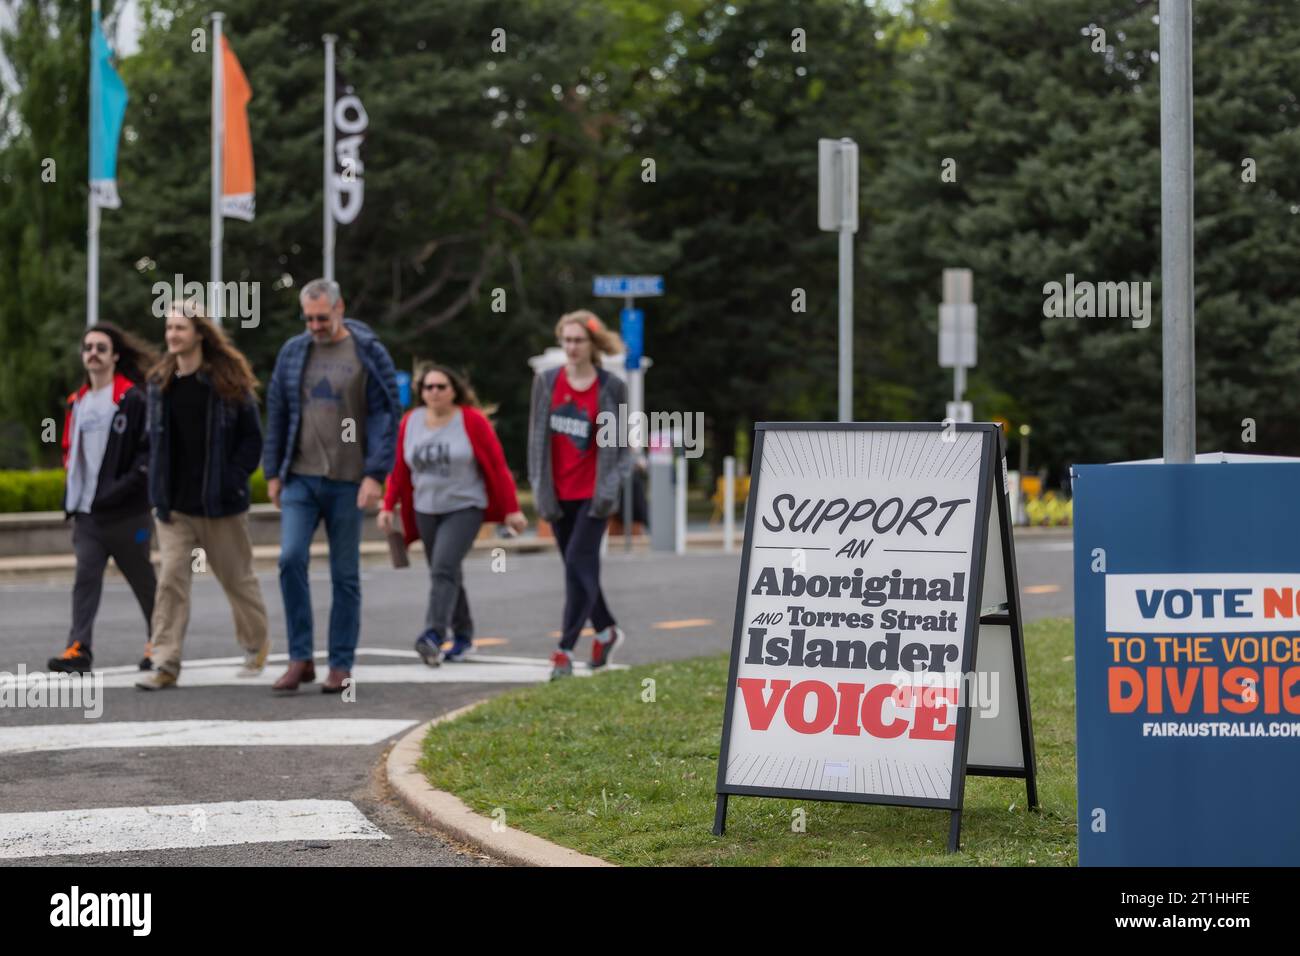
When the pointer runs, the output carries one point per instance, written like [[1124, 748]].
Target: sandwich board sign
[[877, 654]]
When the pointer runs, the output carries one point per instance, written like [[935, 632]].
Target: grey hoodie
[[613, 463]]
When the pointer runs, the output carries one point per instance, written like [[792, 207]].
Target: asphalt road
[[671, 606]]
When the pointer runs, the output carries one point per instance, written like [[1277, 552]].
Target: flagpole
[[92, 220], [327, 244], [218, 136]]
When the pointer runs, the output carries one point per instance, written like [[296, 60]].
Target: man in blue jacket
[[331, 433]]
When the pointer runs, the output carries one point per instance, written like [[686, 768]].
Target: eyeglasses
[[99, 347], [439, 386], [314, 318], [567, 340]]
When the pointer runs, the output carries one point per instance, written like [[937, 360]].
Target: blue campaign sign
[[1187, 657], [404, 388], [632, 329], [623, 286]]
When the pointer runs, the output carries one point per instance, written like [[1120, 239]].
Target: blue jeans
[[304, 501]]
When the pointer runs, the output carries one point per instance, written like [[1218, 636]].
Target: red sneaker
[[561, 665], [602, 651]]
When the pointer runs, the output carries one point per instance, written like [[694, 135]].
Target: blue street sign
[[632, 328], [404, 388], [619, 287]]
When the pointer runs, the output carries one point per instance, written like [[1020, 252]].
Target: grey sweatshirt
[[613, 463]]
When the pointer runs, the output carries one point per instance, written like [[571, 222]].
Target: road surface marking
[[183, 826], [685, 622], [223, 671], [586, 632], [91, 734]]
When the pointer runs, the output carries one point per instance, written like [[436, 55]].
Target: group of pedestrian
[[180, 435]]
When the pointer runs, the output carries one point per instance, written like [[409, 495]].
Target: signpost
[[837, 211], [632, 331], [957, 317], [877, 653]]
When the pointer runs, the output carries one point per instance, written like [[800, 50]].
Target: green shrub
[[31, 490], [43, 490], [257, 485]]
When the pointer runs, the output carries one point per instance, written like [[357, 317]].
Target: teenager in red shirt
[[577, 482]]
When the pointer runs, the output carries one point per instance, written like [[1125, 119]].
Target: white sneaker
[[254, 661]]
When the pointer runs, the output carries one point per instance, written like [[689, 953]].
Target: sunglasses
[[439, 386], [99, 347], [314, 318]]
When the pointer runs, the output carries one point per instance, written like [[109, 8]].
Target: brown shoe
[[299, 672], [334, 682]]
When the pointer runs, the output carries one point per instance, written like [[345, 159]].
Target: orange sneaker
[[73, 660]]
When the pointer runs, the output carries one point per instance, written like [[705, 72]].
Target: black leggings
[[578, 535]]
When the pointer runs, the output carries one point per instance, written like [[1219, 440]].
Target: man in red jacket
[[449, 475]]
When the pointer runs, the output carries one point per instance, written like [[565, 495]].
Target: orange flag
[[237, 150]]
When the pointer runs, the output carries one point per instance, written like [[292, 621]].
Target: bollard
[[681, 504], [729, 504]]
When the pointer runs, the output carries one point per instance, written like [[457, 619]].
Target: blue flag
[[107, 106]]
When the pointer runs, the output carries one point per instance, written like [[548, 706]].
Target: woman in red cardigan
[[449, 476]]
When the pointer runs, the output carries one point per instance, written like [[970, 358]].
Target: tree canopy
[[1019, 138]]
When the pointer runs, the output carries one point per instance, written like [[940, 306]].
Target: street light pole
[[1177, 298]]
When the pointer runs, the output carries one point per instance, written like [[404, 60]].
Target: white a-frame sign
[[878, 654]]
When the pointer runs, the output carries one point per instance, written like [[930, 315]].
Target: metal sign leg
[[720, 816]]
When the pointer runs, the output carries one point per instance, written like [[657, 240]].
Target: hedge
[[43, 490]]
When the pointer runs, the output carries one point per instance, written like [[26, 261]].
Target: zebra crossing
[[184, 826], [282, 808]]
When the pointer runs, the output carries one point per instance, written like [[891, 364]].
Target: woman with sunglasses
[[449, 476]]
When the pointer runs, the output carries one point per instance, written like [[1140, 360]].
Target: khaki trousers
[[226, 551]]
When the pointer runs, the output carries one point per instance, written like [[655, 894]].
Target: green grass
[[586, 763]]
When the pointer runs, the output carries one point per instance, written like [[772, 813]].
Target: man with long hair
[[331, 432], [105, 453], [205, 439]]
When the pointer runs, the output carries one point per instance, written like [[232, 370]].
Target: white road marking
[[222, 671], [90, 734], [183, 826]]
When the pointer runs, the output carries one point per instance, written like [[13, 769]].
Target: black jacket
[[234, 449], [121, 488]]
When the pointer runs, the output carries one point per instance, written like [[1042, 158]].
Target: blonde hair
[[603, 341]]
